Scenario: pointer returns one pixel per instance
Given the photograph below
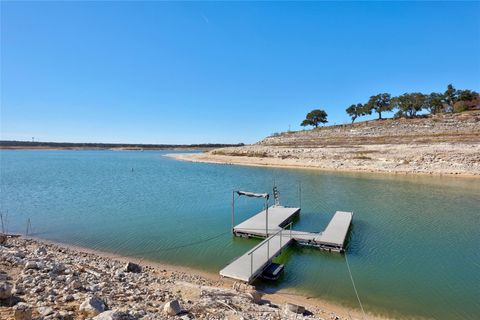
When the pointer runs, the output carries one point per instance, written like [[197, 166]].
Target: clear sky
[[156, 72]]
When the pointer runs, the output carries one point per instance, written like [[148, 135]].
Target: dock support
[[266, 217], [233, 212]]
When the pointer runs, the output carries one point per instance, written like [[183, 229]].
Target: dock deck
[[278, 217], [251, 264]]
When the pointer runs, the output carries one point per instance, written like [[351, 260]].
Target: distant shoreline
[[26, 145]]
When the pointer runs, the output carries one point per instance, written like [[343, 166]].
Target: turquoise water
[[413, 250]]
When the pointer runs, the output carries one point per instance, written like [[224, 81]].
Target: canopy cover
[[252, 194]]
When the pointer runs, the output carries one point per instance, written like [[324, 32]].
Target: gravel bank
[[40, 280]]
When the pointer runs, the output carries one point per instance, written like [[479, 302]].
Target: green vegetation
[[357, 110], [314, 118], [410, 105], [379, 103]]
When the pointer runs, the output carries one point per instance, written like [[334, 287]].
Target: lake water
[[413, 250]]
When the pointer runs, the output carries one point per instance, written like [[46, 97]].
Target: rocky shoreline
[[447, 144], [41, 280]]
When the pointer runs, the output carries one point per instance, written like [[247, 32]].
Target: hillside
[[438, 144]]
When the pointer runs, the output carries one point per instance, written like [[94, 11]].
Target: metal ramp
[[250, 265]]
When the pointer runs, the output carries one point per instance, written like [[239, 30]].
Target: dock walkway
[[251, 264]]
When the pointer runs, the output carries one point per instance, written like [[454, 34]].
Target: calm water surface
[[414, 246]]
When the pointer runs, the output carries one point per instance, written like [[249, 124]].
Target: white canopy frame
[[266, 196]]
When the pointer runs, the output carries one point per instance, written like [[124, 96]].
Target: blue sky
[[157, 72]]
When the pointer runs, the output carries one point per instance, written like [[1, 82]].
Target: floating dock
[[278, 218], [272, 224]]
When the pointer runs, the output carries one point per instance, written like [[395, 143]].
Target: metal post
[[251, 263], [281, 238], [266, 217], [290, 230], [268, 249], [300, 194], [233, 212]]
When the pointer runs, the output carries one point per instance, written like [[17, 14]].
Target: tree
[[466, 95], [314, 118], [450, 97], [380, 103], [453, 96], [357, 110], [409, 104], [434, 102]]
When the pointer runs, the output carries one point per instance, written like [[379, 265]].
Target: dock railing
[[267, 243]]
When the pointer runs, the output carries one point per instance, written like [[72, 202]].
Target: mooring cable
[[354, 287]]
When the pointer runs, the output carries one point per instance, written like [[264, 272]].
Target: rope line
[[354, 287]]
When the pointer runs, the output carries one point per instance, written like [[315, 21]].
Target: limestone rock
[[19, 289], [45, 311], [5, 290], [41, 251], [76, 284], [92, 306], [133, 267], [294, 308], [254, 295], [172, 308], [22, 311], [114, 315], [30, 265], [58, 268]]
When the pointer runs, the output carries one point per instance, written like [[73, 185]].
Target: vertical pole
[[251, 263], [233, 212], [281, 238], [300, 194], [268, 249], [266, 217], [290, 230]]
